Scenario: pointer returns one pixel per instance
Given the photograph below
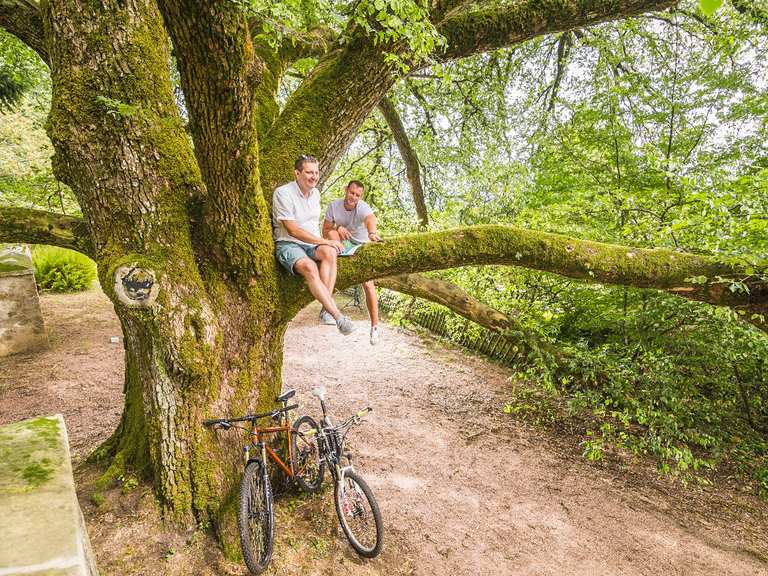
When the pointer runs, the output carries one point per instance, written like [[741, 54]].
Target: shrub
[[62, 270]]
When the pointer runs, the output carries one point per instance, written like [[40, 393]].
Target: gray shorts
[[288, 253]]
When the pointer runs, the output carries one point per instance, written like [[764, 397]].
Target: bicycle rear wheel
[[305, 454], [359, 515], [255, 518]]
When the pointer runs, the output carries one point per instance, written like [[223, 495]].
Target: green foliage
[[393, 21], [128, 483], [648, 132], [20, 71], [26, 177], [709, 7], [62, 270], [388, 21]]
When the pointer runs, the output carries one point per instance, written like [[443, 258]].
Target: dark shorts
[[288, 253]]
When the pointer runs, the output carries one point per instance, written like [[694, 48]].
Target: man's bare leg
[[308, 269], [328, 263], [371, 302]]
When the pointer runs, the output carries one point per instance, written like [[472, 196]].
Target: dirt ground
[[463, 487]]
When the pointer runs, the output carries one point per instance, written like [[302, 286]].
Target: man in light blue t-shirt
[[350, 218]]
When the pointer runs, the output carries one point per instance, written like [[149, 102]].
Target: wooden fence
[[450, 326]]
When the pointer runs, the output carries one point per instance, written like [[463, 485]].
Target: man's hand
[[374, 237], [344, 234], [335, 244]]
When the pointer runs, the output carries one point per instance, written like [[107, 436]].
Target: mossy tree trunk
[[207, 338], [180, 228]]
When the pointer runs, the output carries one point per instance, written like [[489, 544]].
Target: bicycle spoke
[[358, 514], [308, 467], [257, 519]]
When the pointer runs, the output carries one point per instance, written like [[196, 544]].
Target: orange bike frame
[[258, 432]]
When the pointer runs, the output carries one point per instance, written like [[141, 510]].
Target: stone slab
[[41, 525]]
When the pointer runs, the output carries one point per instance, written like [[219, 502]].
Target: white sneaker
[[374, 335], [326, 318], [345, 325]]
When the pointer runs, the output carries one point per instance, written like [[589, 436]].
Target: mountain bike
[[256, 516], [356, 506]]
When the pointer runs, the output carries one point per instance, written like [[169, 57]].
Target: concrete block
[[41, 525]]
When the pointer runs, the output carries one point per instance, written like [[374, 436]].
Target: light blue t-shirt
[[353, 220]]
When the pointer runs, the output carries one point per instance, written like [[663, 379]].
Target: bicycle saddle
[[286, 395]]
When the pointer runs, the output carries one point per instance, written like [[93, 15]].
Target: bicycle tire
[[305, 455], [359, 515], [256, 517]]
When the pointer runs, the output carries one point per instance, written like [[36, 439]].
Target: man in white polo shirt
[[298, 245], [350, 218]]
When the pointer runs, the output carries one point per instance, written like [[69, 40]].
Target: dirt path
[[464, 489]]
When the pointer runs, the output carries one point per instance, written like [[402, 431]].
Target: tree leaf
[[709, 7]]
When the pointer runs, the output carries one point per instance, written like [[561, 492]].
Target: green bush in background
[[62, 270]]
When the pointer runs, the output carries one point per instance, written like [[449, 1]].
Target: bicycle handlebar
[[355, 419], [248, 417]]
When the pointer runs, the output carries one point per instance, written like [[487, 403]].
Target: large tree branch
[[466, 305], [219, 69], [452, 297], [29, 226], [412, 167], [22, 19], [474, 30], [322, 117], [660, 269], [276, 60]]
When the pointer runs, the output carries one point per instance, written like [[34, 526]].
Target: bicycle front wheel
[[359, 515], [307, 465], [256, 517]]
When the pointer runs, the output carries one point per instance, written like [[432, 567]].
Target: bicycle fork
[[262, 460]]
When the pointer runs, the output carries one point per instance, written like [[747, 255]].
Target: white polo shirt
[[288, 203]]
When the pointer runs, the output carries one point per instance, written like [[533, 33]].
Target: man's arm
[[328, 225], [371, 223], [343, 233], [300, 234]]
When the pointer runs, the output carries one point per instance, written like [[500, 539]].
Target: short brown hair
[[303, 159], [355, 183]]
